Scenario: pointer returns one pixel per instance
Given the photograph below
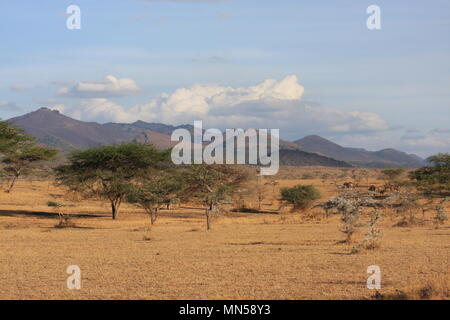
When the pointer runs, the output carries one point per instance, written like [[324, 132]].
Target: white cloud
[[109, 87], [59, 107], [101, 110], [269, 104]]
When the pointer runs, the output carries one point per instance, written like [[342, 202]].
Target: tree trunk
[[208, 220], [115, 204], [208, 216], [154, 215], [12, 183], [114, 210], [208, 211]]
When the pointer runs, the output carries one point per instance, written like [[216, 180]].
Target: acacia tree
[[109, 172], [434, 179], [155, 188], [213, 184], [20, 153], [10, 136]]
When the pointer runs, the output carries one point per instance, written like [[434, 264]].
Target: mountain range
[[386, 158], [54, 129]]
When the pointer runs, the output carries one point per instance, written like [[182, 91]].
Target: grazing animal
[[348, 185], [170, 203], [389, 187]]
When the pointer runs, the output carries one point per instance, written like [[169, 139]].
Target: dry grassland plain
[[244, 256]]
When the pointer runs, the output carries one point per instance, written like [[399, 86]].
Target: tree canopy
[[300, 196], [20, 153], [11, 136], [109, 172], [435, 178], [213, 184], [156, 188]]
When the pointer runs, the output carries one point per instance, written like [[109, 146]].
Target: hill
[[387, 158], [54, 129]]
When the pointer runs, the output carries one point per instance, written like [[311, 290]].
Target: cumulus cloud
[[269, 104], [101, 110], [109, 87], [59, 107], [201, 100]]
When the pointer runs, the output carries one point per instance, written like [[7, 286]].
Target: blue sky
[[362, 88]]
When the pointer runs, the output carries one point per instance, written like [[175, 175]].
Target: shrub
[[434, 179], [372, 238], [300, 196], [441, 214]]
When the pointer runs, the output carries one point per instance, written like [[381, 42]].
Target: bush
[[435, 178], [300, 196]]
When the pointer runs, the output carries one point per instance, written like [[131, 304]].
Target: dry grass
[[437, 288], [244, 256]]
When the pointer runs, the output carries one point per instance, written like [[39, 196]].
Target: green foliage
[[301, 196], [20, 153], [10, 137], [154, 189], [434, 179], [53, 204], [213, 184], [110, 172]]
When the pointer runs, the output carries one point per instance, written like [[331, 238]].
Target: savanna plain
[[271, 253]]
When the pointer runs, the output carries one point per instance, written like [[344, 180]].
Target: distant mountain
[[161, 128], [290, 157], [57, 130], [159, 140], [139, 133], [387, 158]]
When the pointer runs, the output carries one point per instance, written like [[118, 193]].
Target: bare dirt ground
[[244, 256]]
